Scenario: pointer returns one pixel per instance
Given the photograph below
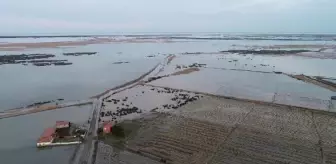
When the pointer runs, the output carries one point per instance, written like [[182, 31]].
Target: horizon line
[[157, 34]]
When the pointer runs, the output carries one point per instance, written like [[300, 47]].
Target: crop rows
[[179, 141]]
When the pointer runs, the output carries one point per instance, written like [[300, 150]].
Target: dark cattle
[[108, 113]]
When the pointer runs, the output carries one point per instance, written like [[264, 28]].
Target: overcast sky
[[117, 16]]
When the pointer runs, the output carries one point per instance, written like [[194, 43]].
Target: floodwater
[[251, 85], [287, 64], [89, 75], [19, 135]]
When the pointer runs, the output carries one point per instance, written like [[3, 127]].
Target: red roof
[[62, 123], [108, 123], [47, 135], [107, 127]]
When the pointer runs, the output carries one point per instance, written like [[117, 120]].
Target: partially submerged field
[[177, 117], [220, 108], [220, 130]]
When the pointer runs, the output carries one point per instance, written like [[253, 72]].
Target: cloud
[[166, 16], [40, 24], [257, 6], [145, 6]]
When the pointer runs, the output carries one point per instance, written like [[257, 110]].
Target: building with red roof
[[107, 128], [62, 128], [62, 133], [46, 138]]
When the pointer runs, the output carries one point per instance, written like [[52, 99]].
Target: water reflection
[[19, 135]]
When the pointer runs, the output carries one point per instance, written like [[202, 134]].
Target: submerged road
[[41, 108], [85, 153], [86, 150]]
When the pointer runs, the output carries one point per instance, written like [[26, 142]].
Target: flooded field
[[134, 102], [197, 65], [219, 130]]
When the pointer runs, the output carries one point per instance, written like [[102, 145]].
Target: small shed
[[62, 128], [62, 124], [107, 127]]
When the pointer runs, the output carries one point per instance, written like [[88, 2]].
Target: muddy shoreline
[[23, 46]]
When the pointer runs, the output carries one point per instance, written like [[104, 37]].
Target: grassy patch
[[120, 134]]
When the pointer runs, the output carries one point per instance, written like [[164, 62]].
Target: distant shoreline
[[171, 34], [94, 40], [204, 36]]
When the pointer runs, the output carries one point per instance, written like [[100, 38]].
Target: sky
[[29, 17]]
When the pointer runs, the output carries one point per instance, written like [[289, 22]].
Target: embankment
[[41, 108], [126, 84], [319, 82]]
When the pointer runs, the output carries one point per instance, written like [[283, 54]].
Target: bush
[[118, 131]]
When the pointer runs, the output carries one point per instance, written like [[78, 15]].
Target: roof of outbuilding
[[46, 135], [62, 123]]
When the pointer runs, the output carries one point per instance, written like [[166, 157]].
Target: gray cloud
[[109, 16]]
